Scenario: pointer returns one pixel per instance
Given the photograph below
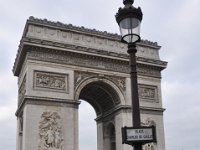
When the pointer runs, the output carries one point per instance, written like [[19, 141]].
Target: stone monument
[[58, 64]]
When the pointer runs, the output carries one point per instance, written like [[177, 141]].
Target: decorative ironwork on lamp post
[[129, 19]]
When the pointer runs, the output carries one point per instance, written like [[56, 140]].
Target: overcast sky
[[175, 25]]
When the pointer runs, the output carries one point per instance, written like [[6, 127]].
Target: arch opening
[[101, 96], [87, 127]]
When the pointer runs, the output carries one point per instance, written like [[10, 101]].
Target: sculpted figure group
[[50, 132]]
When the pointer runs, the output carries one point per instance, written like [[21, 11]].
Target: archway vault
[[103, 94]]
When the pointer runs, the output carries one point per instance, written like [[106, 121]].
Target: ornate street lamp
[[129, 19]]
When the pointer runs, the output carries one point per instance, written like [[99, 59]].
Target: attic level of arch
[[34, 49], [70, 27], [82, 42]]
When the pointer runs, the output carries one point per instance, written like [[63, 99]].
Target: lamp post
[[129, 19]]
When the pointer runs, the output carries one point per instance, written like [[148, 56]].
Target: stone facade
[[58, 64]]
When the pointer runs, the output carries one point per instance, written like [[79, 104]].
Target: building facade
[[58, 64]]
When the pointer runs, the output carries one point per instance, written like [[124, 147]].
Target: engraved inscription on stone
[[50, 81], [50, 132], [147, 92]]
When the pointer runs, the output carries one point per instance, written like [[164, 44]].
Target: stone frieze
[[82, 60], [71, 37], [50, 81]]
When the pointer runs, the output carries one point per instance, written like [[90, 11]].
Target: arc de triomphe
[[59, 64]]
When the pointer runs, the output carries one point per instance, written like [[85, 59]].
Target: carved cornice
[[106, 56], [45, 43], [152, 110], [45, 101], [128, 109], [84, 60]]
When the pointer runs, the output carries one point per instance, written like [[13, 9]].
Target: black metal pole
[[134, 89]]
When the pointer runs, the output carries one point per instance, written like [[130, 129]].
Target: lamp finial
[[125, 2]]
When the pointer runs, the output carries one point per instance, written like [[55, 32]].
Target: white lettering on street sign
[[142, 134]]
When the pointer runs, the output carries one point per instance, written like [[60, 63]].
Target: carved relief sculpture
[[78, 78], [147, 92], [121, 83], [50, 81], [50, 132]]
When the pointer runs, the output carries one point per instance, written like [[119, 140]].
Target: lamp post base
[[137, 147]]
